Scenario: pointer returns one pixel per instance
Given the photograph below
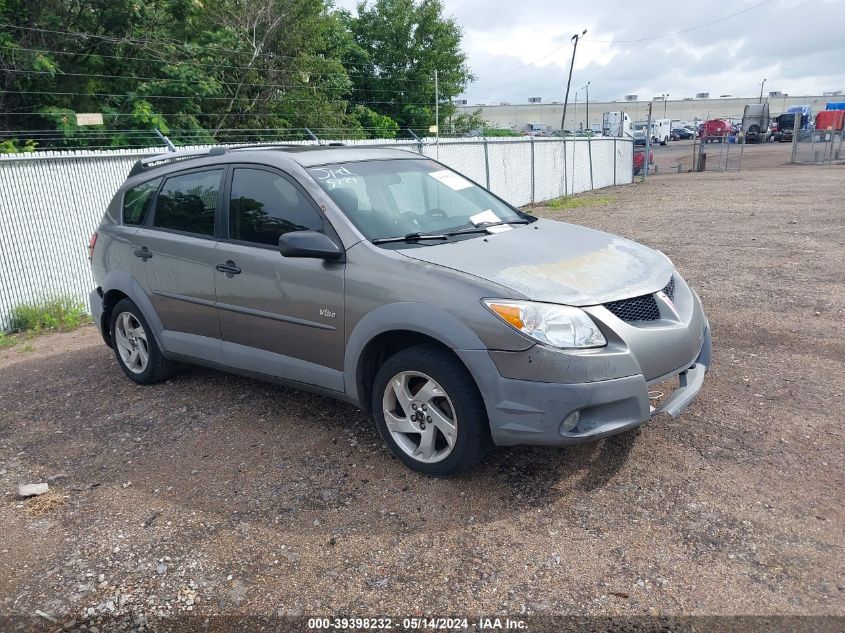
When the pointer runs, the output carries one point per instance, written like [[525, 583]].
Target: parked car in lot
[[682, 133], [639, 160], [385, 279]]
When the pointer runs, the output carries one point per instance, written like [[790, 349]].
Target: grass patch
[[41, 505], [7, 341], [60, 313], [576, 202]]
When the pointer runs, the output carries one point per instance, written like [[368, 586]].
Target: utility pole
[[761, 89], [574, 39], [437, 111]]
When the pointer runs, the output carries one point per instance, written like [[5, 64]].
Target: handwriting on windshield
[[334, 176]]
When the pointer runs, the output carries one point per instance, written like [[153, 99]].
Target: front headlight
[[556, 325]]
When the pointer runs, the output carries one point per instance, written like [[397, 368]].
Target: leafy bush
[[60, 313]]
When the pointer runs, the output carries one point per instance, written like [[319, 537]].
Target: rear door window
[[188, 202], [136, 202]]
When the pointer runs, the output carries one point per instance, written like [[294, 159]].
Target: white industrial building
[[704, 106]]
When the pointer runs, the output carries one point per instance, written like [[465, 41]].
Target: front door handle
[[230, 268], [143, 252]]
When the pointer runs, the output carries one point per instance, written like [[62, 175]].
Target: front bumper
[[531, 412], [528, 394]]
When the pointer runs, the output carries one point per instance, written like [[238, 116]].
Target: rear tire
[[135, 346], [452, 434]]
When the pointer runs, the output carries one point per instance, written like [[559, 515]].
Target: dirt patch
[[214, 494]]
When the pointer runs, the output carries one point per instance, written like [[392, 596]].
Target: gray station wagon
[[386, 279]]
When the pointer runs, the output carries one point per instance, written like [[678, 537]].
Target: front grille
[[669, 290], [642, 308]]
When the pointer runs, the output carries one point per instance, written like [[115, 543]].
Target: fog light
[[570, 422]]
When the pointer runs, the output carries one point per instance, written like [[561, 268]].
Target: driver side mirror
[[311, 244]]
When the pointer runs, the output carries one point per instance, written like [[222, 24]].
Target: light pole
[[575, 39], [665, 97], [575, 115], [761, 89], [587, 88]]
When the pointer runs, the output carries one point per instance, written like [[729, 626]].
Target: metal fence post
[[590, 157], [614, 160], [795, 125], [532, 170], [486, 162], [565, 183]]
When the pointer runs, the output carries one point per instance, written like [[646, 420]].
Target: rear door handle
[[143, 252], [230, 268]]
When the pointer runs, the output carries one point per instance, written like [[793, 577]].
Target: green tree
[[220, 70], [403, 43]]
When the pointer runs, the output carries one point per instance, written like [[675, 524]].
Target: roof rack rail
[[151, 162], [260, 145]]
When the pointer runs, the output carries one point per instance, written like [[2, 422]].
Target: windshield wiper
[[411, 238], [482, 227]]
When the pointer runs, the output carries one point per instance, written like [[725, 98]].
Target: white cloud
[[798, 46]]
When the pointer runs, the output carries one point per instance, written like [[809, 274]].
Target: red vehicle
[[639, 160], [834, 119], [715, 130]]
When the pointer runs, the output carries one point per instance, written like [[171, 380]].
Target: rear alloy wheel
[[429, 412], [135, 346], [131, 344]]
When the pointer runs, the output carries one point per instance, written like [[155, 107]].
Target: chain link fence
[[819, 147], [719, 153], [51, 202]]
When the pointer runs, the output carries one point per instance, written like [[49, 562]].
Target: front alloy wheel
[[429, 411], [420, 416]]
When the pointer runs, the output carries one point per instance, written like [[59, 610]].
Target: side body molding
[[412, 316]]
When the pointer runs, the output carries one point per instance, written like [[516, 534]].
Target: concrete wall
[[517, 116]]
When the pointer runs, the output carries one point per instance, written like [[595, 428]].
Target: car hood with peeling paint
[[556, 262]]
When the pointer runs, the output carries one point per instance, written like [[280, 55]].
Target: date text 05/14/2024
[[418, 623]]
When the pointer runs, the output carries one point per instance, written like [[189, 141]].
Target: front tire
[[135, 346], [429, 411]]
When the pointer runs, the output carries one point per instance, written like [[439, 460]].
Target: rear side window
[[265, 205], [189, 202], [136, 202]]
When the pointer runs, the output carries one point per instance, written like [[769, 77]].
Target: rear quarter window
[[136, 202]]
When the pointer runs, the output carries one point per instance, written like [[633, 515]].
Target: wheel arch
[[120, 285], [392, 327]]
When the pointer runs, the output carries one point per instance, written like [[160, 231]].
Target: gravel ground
[[216, 494]]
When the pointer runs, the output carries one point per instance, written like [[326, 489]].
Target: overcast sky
[[521, 49]]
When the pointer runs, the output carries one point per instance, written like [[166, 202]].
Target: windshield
[[388, 198]]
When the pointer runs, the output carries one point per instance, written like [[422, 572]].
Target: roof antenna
[[312, 135], [170, 146]]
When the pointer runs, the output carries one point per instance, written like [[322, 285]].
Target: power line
[[210, 65], [634, 41], [199, 98], [142, 42], [222, 83], [682, 31]]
